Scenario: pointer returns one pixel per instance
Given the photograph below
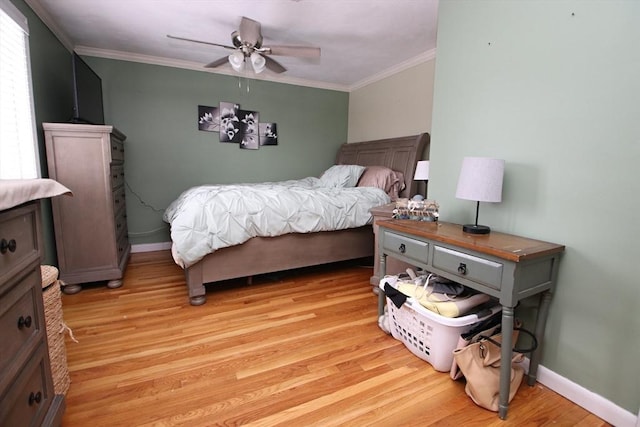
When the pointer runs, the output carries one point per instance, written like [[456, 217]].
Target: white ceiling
[[361, 40]]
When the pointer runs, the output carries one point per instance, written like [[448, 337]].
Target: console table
[[506, 267]]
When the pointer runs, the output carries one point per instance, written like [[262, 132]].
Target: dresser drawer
[[468, 266], [121, 222], [20, 321], [117, 151], [123, 244], [118, 201], [406, 246], [30, 395], [18, 239], [117, 176]]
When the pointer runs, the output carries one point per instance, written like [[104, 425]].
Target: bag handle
[[534, 341]]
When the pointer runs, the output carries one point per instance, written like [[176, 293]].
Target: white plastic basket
[[428, 335]]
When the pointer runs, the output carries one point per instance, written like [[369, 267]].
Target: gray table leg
[[383, 272], [505, 362], [541, 322]]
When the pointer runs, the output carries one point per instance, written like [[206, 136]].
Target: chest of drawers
[[92, 241], [26, 385]]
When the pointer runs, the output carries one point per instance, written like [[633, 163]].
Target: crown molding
[[196, 66], [46, 18], [417, 60]]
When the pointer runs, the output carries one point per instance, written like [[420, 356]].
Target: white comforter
[[206, 218]]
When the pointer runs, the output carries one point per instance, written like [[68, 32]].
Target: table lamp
[[480, 180], [422, 174]]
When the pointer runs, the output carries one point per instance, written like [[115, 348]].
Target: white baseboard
[[151, 247], [594, 403]]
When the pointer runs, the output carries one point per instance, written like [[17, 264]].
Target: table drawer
[[468, 266], [406, 246]]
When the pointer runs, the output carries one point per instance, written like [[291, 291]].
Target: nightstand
[[394, 266]]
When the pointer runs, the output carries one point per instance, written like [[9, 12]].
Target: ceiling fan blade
[[300, 51], [201, 42], [250, 31], [274, 65], [217, 62]]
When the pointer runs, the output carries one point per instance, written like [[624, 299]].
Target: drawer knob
[[402, 248], [462, 268], [10, 245], [24, 322], [35, 398]]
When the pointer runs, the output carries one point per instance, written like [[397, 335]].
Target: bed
[[260, 255]]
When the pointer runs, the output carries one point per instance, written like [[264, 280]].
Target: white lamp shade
[[258, 62], [481, 179], [422, 171], [236, 59]]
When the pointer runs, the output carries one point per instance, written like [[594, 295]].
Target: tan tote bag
[[480, 365]]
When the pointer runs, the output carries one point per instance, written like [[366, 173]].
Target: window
[[18, 153]]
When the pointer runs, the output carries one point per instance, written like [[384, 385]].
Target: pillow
[[390, 181], [342, 175]]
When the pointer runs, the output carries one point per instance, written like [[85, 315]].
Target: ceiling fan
[[247, 47]]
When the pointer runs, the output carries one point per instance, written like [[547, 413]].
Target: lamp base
[[476, 229]]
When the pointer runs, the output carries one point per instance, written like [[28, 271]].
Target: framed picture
[[208, 118], [268, 134], [230, 126], [250, 141]]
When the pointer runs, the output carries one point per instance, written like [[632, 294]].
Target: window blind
[[18, 143]]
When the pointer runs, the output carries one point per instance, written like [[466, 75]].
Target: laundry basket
[[55, 328], [427, 334]]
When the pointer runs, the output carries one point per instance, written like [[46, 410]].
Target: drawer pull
[[462, 268], [24, 322], [35, 398], [11, 246], [402, 248]]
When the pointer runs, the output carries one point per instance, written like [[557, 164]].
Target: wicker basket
[[55, 328]]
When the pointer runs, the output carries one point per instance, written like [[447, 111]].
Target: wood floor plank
[[296, 348]]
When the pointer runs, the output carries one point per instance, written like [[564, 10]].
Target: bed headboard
[[400, 154]]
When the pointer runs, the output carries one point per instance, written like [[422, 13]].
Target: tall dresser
[[91, 227], [26, 383]]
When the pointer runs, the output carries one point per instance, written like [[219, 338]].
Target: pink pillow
[[390, 181]]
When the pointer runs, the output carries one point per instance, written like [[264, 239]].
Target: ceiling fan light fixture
[[236, 59], [258, 62]]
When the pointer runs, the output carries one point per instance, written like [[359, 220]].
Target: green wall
[[156, 107], [554, 88], [53, 99]]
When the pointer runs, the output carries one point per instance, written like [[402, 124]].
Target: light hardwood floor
[[299, 348]]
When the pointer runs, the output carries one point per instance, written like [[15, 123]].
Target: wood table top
[[501, 245]]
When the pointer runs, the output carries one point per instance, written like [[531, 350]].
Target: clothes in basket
[[427, 334], [446, 298]]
